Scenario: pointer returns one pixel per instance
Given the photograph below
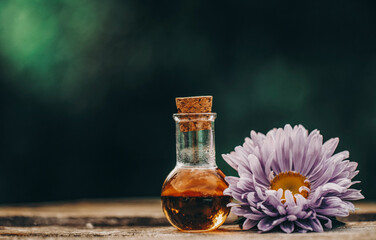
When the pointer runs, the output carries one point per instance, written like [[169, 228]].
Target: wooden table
[[143, 218]]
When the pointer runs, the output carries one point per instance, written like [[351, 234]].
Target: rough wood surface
[[352, 230], [143, 218]]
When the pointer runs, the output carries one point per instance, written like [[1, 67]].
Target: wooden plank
[[143, 218], [128, 212], [352, 230]]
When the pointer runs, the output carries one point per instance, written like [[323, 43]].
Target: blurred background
[[87, 88]]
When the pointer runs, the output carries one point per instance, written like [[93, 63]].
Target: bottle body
[[193, 200], [192, 194]]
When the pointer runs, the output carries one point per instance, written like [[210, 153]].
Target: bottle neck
[[195, 145]]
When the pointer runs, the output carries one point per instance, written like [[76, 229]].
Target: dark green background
[[87, 88]]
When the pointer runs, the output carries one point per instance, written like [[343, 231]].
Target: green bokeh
[[38, 37]]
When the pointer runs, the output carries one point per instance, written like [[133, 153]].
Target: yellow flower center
[[290, 181]]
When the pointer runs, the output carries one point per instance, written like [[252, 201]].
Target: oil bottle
[[192, 194]]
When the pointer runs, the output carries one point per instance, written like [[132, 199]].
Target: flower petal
[[258, 172], [287, 226], [316, 225], [328, 222], [329, 147], [248, 224], [290, 202], [253, 216], [232, 180], [246, 184], [268, 211], [279, 221], [312, 156], [230, 161], [298, 149], [266, 224], [352, 194], [303, 224], [240, 211]]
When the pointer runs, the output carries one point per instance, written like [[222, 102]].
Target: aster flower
[[289, 178]]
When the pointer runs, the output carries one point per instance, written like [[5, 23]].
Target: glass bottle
[[192, 194]]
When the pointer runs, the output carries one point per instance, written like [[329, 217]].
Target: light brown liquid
[[192, 199]]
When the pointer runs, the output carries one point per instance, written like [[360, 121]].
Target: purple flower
[[290, 179]]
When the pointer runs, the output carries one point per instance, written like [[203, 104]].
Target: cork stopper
[[200, 104]]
